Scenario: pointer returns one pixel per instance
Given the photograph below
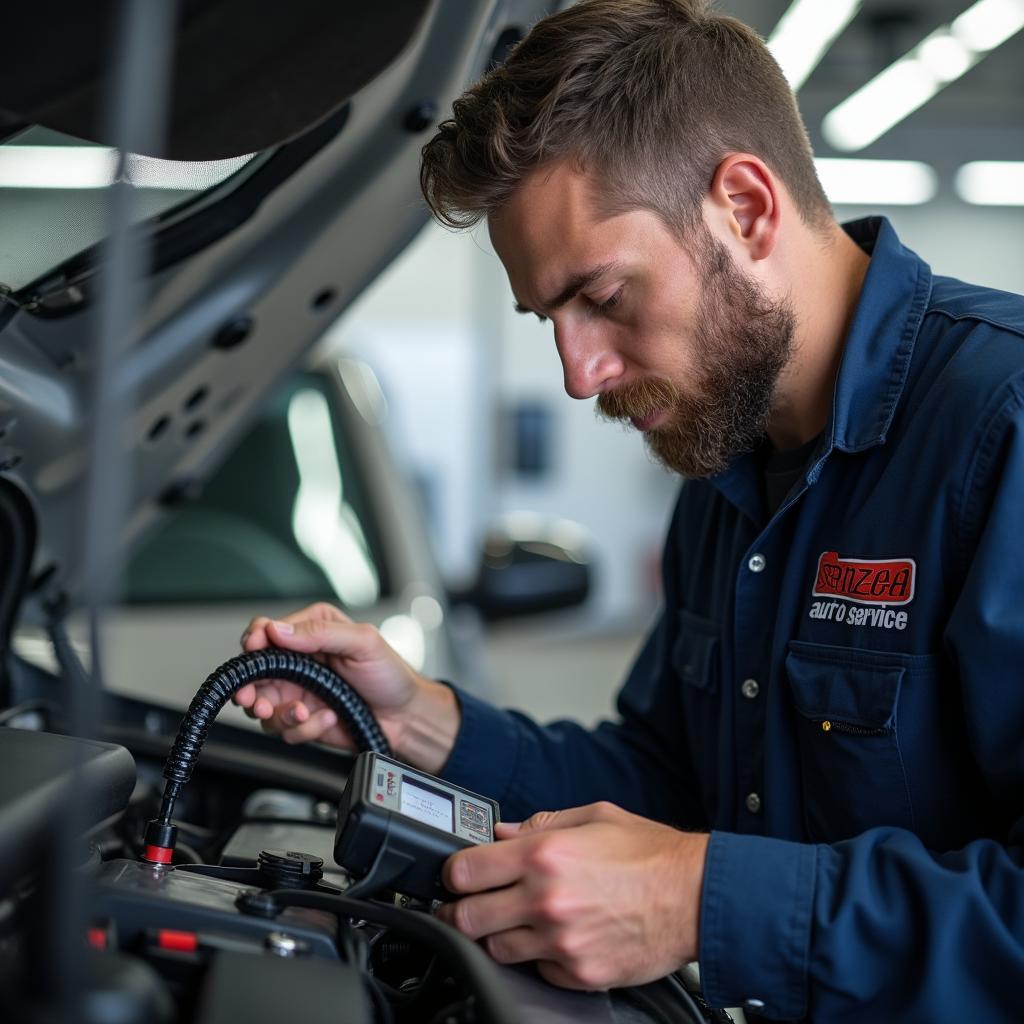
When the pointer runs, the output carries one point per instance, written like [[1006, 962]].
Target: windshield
[[53, 196]]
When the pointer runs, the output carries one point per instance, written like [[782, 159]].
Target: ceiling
[[978, 117]]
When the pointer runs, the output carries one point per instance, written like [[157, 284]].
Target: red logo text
[[866, 581]]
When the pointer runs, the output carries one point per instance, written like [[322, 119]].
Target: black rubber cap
[[291, 870]]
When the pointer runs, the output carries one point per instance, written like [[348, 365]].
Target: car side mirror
[[530, 567]]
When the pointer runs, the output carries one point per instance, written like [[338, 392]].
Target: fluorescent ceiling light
[[90, 167], [945, 57], [876, 182], [805, 32], [886, 100], [914, 79], [989, 23], [991, 183]]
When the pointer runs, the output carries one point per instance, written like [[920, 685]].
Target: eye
[[609, 304]]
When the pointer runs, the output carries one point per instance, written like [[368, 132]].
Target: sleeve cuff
[[486, 750], [755, 923]]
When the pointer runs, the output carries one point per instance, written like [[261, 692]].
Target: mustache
[[638, 399]]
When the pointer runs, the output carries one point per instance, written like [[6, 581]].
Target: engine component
[[289, 870], [142, 902], [242, 850], [237, 988], [37, 777]]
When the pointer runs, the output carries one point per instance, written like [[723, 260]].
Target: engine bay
[[249, 917], [171, 937]]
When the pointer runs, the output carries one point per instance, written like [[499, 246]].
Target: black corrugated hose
[[217, 690]]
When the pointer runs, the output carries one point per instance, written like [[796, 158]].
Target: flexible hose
[[271, 663]]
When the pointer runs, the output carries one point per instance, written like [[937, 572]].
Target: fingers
[[312, 728], [263, 708], [492, 866], [546, 821], [295, 722], [258, 700], [515, 946], [319, 629], [309, 727], [246, 696], [264, 632], [269, 703], [558, 975], [499, 864], [349, 640], [280, 714], [488, 913], [254, 637]]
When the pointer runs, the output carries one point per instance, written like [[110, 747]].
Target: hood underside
[[244, 77]]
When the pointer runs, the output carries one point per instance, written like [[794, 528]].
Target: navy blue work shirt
[[836, 691]]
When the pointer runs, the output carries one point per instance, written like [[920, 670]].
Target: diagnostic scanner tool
[[397, 826]]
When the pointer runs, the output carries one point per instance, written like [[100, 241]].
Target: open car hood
[[243, 79], [246, 276]]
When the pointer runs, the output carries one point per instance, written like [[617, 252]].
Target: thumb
[[321, 636]]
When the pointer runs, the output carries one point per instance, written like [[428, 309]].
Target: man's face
[[672, 337]]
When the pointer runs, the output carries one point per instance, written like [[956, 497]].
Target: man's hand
[[419, 717], [600, 897]]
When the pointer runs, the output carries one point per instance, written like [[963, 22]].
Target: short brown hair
[[650, 95]]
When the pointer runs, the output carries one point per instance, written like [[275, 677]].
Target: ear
[[744, 198]]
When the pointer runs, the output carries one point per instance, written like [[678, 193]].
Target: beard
[[742, 342]]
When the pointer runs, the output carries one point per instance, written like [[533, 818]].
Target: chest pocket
[[852, 771]]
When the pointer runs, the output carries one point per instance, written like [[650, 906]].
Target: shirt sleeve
[[878, 927]]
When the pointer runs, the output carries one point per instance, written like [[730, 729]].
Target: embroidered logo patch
[[865, 581], [876, 585]]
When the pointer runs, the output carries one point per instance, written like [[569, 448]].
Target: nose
[[589, 361]]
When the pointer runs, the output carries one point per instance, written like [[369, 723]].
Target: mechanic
[[816, 782]]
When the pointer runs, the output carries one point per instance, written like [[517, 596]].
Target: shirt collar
[[876, 358], [880, 342]]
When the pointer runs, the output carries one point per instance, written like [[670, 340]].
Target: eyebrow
[[572, 288]]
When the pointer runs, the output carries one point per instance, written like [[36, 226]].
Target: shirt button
[[753, 1004], [757, 563], [753, 803], [750, 688]]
